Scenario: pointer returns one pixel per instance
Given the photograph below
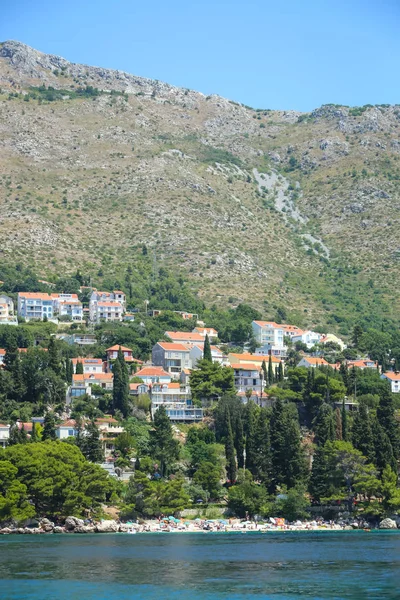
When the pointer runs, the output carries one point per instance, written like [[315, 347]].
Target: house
[[210, 331], [153, 375], [66, 429], [291, 330], [115, 296], [247, 377], [112, 354], [254, 359], [2, 355], [4, 435], [136, 389], [105, 311], [171, 357], [68, 305], [309, 338], [394, 379], [330, 337], [269, 337], [35, 305], [363, 363], [90, 365], [312, 361], [177, 401], [7, 316], [82, 384], [185, 337], [197, 351], [109, 429]]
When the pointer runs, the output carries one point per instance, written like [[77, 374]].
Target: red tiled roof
[[392, 376], [152, 372], [185, 336], [35, 295], [117, 347], [172, 346]]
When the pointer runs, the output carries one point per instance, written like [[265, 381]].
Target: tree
[[324, 425], [79, 367], [69, 370], [293, 505], [210, 381], [383, 449], [246, 498], [288, 462], [361, 434], [345, 432], [264, 370], [230, 456], [120, 385], [280, 372], [386, 417], [270, 371], [14, 502], [208, 476], [250, 418], [356, 335], [165, 449], [207, 350], [53, 356], [49, 427], [124, 443], [90, 444], [263, 445], [338, 424]]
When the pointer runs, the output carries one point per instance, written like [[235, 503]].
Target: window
[[71, 432]]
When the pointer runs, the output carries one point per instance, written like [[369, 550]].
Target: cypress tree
[[164, 447], [383, 450], [344, 372], [361, 434], [49, 427], [263, 445], [230, 456], [34, 437], [280, 371], [324, 425], [264, 370], [239, 442], [53, 356], [120, 385], [79, 367], [319, 480], [207, 349], [250, 428], [345, 432], [338, 424], [386, 417], [270, 371], [295, 465], [278, 440]]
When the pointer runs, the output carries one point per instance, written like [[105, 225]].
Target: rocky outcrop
[[388, 524], [85, 529], [59, 529], [107, 527], [46, 525], [72, 522]]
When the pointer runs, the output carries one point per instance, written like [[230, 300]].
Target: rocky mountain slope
[[276, 208]]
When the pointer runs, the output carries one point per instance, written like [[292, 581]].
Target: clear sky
[[296, 54]]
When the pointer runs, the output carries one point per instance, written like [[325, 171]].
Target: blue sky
[[293, 55]]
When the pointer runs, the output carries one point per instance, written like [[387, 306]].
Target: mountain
[[289, 211]]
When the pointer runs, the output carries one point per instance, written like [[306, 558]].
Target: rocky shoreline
[[79, 526]]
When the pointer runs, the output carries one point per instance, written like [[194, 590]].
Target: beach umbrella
[[223, 522]]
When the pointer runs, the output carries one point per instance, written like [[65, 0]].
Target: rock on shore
[[388, 524]]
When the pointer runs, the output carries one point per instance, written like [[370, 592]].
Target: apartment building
[[35, 305], [172, 357], [269, 337]]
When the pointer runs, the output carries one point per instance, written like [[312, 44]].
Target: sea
[[358, 565]]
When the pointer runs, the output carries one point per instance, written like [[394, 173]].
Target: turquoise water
[[317, 565]]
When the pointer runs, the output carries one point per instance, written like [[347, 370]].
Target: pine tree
[[230, 456], [34, 437], [383, 450], [79, 367], [386, 417], [90, 444], [164, 447], [278, 440], [324, 425], [295, 465], [207, 349], [17, 436], [53, 356], [270, 371], [319, 480], [361, 434], [49, 427], [345, 432], [344, 372]]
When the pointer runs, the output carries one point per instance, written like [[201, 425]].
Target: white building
[[35, 305], [269, 336], [185, 337], [394, 380], [68, 305], [151, 375], [197, 351], [7, 316], [105, 311], [210, 331], [177, 401], [247, 377], [312, 362], [173, 358], [4, 435], [90, 365], [66, 429], [309, 338]]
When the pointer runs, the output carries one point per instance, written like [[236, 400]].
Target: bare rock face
[[107, 527], [58, 529], [388, 524], [46, 525], [85, 529], [72, 522]]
